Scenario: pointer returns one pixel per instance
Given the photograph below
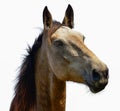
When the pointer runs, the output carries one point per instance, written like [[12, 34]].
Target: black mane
[[25, 89], [25, 92]]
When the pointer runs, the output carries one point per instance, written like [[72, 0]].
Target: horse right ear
[[69, 17], [47, 18]]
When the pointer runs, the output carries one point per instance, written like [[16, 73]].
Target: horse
[[58, 55]]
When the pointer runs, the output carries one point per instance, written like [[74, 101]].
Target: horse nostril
[[95, 75]]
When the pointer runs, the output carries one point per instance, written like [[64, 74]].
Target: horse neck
[[50, 92]]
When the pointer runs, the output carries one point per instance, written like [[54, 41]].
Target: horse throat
[[50, 91], [58, 94]]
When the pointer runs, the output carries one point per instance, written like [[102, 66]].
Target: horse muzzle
[[99, 81]]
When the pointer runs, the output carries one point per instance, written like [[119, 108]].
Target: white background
[[98, 20]]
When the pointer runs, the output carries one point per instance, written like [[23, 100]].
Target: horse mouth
[[95, 88]]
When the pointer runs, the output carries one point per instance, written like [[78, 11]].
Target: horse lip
[[95, 88]]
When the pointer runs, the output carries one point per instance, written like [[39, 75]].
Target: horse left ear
[[47, 18], [69, 17]]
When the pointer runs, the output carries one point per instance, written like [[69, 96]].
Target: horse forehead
[[66, 33]]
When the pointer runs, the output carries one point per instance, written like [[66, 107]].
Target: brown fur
[[41, 84], [25, 90]]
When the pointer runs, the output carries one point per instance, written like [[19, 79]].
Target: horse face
[[69, 58]]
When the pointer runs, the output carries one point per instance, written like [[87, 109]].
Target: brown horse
[[58, 55]]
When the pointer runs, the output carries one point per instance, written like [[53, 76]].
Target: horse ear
[[47, 18], [69, 17]]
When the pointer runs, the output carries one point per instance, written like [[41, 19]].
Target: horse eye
[[58, 43]]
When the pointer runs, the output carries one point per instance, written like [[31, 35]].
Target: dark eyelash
[[84, 37]]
